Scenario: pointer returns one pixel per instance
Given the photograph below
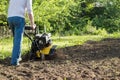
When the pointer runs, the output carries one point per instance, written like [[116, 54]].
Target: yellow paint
[[46, 50]]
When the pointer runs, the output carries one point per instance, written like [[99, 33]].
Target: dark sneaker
[[15, 64]]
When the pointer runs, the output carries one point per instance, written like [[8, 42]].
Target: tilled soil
[[90, 61]]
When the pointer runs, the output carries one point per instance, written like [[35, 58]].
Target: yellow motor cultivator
[[41, 47]]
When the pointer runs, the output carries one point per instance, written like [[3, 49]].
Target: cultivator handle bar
[[29, 28]]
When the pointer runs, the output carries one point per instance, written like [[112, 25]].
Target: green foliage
[[72, 17], [89, 29], [110, 17], [51, 14], [3, 12]]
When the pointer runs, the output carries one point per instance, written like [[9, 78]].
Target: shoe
[[20, 59], [15, 64]]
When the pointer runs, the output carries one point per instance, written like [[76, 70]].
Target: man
[[16, 20]]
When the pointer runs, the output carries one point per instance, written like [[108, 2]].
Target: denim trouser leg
[[17, 26]]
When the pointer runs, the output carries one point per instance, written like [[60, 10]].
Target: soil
[[90, 61]]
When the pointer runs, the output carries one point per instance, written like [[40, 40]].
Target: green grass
[[74, 40], [6, 44]]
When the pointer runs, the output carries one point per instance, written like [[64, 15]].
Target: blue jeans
[[17, 26]]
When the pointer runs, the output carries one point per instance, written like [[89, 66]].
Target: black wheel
[[32, 55]]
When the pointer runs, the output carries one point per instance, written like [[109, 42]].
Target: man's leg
[[18, 35]]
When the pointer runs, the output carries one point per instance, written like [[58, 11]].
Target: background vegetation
[[72, 17]]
